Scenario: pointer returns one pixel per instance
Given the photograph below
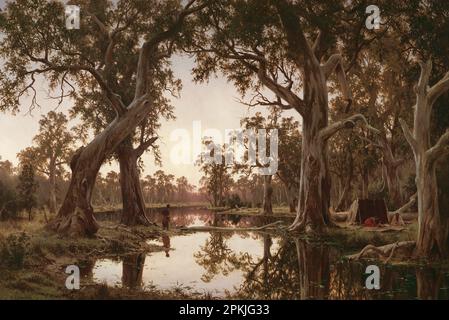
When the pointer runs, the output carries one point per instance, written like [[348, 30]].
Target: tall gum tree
[[433, 226], [272, 53], [36, 45], [52, 148], [123, 43]]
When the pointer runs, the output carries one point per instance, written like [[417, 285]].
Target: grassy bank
[[33, 260]]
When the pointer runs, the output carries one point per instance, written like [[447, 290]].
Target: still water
[[252, 265]]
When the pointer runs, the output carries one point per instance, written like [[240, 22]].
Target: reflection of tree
[[166, 244], [347, 282], [298, 269], [313, 269], [428, 283], [182, 217], [133, 270], [217, 258], [274, 276]]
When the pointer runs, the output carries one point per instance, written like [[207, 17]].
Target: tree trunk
[[390, 165], [393, 184], [314, 193], [267, 195], [342, 203], [133, 212], [433, 228], [365, 183], [75, 217], [52, 183], [292, 198]]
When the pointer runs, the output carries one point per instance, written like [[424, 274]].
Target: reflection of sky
[[181, 269], [215, 104]]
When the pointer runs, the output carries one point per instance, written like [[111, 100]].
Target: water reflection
[[133, 270], [166, 244], [250, 265]]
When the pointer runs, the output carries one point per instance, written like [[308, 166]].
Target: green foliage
[[26, 189], [8, 201], [234, 201], [14, 250]]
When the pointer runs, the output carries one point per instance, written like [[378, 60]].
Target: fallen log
[[211, 228], [403, 249]]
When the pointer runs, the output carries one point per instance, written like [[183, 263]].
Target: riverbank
[[33, 261]]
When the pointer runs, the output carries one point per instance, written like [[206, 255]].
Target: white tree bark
[[433, 229]]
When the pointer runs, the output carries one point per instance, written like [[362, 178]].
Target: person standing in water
[[166, 217]]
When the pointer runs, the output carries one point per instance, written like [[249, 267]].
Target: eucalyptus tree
[[289, 168], [217, 174], [433, 225], [36, 45], [275, 50], [52, 148], [93, 107], [289, 150], [256, 123]]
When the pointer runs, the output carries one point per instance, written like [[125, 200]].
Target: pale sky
[[214, 104]]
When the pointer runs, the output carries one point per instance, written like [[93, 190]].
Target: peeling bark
[[433, 228], [75, 217], [133, 211]]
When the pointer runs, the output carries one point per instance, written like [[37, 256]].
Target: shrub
[[234, 201], [14, 250]]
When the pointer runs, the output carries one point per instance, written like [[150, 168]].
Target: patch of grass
[[14, 250]]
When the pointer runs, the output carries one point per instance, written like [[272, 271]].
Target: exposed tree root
[[273, 225], [403, 249]]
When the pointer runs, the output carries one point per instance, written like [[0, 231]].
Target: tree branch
[[335, 63], [409, 136], [144, 146], [423, 82], [438, 89], [281, 91], [150, 46], [347, 123], [297, 41], [439, 148]]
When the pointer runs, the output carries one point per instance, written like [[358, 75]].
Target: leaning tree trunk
[[75, 217], [267, 195], [433, 227], [133, 211]]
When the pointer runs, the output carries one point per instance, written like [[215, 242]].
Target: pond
[[255, 265]]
